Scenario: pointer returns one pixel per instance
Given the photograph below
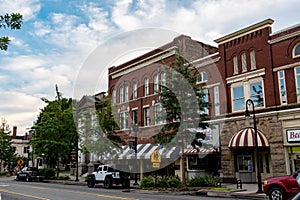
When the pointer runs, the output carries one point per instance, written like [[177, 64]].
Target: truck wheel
[[276, 193], [91, 183], [107, 182]]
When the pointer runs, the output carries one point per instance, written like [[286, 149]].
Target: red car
[[282, 187]]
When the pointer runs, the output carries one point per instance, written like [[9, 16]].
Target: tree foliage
[[6, 149], [12, 21], [55, 132], [184, 103]]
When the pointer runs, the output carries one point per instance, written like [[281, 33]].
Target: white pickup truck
[[109, 175]]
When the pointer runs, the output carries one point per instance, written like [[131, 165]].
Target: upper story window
[[217, 100], [235, 65], [126, 93], [297, 77], [121, 94], [244, 62], [123, 119], [202, 77], [163, 79], [114, 96], [146, 116], [205, 99], [241, 91], [282, 88], [146, 86], [252, 60], [156, 85], [296, 50], [134, 87]]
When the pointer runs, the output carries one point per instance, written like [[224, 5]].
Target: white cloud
[[66, 39], [28, 8]]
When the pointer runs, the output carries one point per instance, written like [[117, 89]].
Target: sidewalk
[[248, 191]]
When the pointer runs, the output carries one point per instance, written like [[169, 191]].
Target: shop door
[[264, 165]]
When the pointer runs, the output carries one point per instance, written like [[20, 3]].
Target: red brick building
[[251, 63]]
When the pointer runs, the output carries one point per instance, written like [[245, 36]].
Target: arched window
[[296, 52]]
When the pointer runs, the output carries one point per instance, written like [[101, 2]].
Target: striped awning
[[246, 138], [202, 151], [144, 151]]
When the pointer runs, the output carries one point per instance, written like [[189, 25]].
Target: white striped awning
[[246, 138], [144, 151], [200, 151]]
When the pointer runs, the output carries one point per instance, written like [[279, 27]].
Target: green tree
[[12, 21], [55, 132], [184, 104], [6, 149]]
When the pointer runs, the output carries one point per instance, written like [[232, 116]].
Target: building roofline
[[259, 25]]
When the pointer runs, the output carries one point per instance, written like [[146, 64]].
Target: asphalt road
[[13, 190]]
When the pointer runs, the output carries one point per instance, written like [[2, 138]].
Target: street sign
[[155, 157]]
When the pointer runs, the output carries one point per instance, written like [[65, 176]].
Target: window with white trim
[[297, 77], [296, 50], [163, 79], [135, 116], [242, 91], [201, 77], [123, 120], [126, 93], [146, 86], [146, 116], [158, 117], [235, 65], [282, 88], [156, 84], [244, 62], [121, 94], [252, 60], [114, 96], [205, 99], [134, 95], [216, 100]]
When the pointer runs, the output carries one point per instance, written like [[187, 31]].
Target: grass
[[222, 189]]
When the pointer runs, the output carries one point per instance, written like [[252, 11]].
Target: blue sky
[[58, 36]]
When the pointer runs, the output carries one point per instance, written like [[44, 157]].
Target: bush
[[203, 181], [48, 172], [160, 182], [148, 182], [174, 182]]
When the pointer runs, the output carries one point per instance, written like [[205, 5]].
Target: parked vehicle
[[109, 175], [29, 174], [282, 187]]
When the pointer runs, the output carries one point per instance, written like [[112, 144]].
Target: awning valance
[[144, 151], [201, 151], [246, 138]]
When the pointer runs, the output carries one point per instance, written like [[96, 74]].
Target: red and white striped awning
[[246, 138]]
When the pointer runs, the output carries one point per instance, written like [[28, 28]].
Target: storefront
[[242, 145]]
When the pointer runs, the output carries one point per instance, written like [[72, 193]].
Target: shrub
[[148, 182], [203, 181], [174, 182], [48, 172], [161, 182]]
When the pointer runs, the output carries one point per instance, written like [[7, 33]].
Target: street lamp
[[135, 128], [247, 114]]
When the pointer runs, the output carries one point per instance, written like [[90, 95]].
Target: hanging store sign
[[293, 135]]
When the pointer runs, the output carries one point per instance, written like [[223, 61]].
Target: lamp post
[[135, 130], [247, 114]]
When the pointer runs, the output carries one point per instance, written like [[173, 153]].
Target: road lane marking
[[77, 192], [24, 195]]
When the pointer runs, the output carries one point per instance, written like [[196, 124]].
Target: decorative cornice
[[285, 37], [244, 76], [286, 67], [245, 31]]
